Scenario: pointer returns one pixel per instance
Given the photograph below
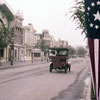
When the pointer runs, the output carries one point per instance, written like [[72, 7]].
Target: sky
[[51, 15]]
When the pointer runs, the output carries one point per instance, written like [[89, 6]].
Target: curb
[[20, 65], [88, 91]]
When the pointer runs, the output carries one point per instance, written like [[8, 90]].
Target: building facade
[[17, 27], [50, 41], [29, 40], [62, 43], [6, 16]]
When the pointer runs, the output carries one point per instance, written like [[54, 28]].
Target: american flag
[[92, 17]]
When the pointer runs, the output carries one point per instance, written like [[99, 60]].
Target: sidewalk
[[20, 64]]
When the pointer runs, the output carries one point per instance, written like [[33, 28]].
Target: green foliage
[[81, 51], [5, 36], [78, 14], [43, 45], [72, 51]]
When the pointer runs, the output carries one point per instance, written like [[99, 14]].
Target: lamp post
[[32, 56], [12, 51], [47, 54]]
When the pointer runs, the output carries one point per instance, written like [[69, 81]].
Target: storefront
[[37, 54]]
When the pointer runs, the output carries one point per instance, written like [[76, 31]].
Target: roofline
[[58, 49], [7, 10]]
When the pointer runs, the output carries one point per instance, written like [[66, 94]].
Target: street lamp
[[12, 51], [47, 54]]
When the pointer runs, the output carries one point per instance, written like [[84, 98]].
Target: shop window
[[37, 55]]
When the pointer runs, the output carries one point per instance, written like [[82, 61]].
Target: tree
[[78, 15], [72, 51], [42, 44], [5, 36], [81, 51]]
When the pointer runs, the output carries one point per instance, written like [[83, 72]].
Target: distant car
[[59, 61]]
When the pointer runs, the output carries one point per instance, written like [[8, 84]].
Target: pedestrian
[[24, 58]]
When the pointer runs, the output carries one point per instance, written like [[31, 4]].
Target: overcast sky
[[50, 14]]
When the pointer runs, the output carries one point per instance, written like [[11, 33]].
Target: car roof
[[59, 49]]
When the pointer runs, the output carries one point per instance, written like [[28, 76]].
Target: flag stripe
[[92, 59], [96, 53], [94, 50], [99, 71]]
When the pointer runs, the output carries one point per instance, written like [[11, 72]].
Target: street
[[35, 82]]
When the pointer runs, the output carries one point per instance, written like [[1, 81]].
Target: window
[[37, 54]]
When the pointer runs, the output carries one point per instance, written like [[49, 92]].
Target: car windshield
[[61, 53]]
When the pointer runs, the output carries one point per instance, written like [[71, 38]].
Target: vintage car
[[59, 59]]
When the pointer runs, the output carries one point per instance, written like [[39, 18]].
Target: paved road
[[35, 82], [78, 90]]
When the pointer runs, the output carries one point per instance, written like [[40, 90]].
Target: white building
[[29, 40], [49, 39], [62, 43]]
